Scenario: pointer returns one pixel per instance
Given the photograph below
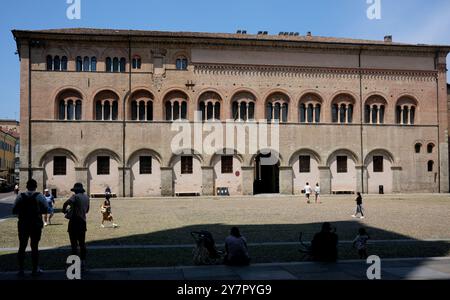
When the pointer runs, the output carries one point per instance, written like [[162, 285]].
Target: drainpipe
[[30, 170], [361, 119], [436, 67], [124, 124]]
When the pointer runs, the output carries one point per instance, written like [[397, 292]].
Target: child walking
[[105, 209], [360, 243]]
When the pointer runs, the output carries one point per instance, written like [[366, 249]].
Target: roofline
[[126, 35]]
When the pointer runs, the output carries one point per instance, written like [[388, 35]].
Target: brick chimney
[[388, 38]]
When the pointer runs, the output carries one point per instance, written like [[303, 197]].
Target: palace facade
[[355, 115]]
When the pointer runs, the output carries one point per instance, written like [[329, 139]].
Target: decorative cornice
[[314, 72]]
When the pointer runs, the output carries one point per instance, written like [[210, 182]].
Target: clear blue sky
[[414, 21]]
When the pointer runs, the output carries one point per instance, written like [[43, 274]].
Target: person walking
[[360, 243], [79, 207], [29, 207], [105, 209], [308, 192], [359, 207], [50, 204], [317, 193], [16, 189]]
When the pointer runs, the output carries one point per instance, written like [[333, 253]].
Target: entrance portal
[[266, 176]]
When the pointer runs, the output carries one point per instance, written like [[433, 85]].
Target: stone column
[[286, 180], [325, 180], [248, 178], [167, 185], [396, 179], [81, 176], [208, 181], [23, 179], [38, 175]]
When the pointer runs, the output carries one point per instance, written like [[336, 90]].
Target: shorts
[[50, 210]]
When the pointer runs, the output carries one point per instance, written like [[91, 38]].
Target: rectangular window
[[145, 165], [186, 165], [305, 164], [342, 164], [103, 165], [59, 165], [227, 164], [378, 164]]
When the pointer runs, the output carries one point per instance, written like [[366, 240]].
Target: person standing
[[317, 193], [79, 207], [50, 211], [16, 189], [29, 207], [308, 192], [359, 207]]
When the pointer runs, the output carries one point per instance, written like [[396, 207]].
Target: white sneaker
[[102, 226], [115, 225], [45, 224], [362, 218], [353, 216]]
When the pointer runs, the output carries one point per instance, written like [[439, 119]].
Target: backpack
[[29, 210]]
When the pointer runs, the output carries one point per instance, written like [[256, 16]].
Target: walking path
[[391, 269]]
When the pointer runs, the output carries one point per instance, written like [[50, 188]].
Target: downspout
[[30, 170], [361, 119], [436, 67], [124, 124]]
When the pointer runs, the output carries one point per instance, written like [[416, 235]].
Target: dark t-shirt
[[359, 200]]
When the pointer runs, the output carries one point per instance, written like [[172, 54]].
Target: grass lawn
[[166, 221]]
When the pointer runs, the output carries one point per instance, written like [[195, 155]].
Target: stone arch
[[175, 95], [265, 151], [68, 94], [379, 176], [343, 180], [96, 152], [146, 181], [64, 151], [138, 95], [110, 96], [308, 151], [210, 95], [381, 151], [228, 177], [182, 152], [226, 151], [347, 152]]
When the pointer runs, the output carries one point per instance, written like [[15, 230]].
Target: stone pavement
[[391, 269]]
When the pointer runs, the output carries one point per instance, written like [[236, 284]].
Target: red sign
[[237, 173]]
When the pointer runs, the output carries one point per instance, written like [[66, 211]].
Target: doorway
[[266, 176]]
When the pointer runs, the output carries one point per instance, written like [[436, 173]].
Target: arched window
[[374, 110], [181, 63], [64, 63], [69, 106], [430, 148], [310, 108], [136, 62], [79, 64], [93, 64], [418, 148], [176, 106], [123, 63], [106, 106], [243, 106], [57, 63], [342, 109], [406, 111], [209, 105], [115, 64], [277, 108], [49, 63], [108, 64], [86, 64], [430, 166]]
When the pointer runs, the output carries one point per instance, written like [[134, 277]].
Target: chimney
[[388, 38], [309, 33]]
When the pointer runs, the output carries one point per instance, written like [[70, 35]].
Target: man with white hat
[[50, 211]]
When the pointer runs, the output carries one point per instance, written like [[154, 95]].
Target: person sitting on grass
[[324, 244], [360, 243], [105, 209], [236, 250]]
